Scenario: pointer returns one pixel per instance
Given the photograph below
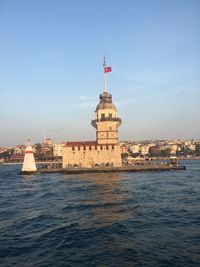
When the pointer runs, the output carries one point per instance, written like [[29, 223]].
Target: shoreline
[[49, 162]]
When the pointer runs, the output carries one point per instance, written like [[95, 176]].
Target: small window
[[102, 116], [113, 147]]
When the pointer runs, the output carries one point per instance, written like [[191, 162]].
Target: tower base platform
[[144, 168], [27, 172]]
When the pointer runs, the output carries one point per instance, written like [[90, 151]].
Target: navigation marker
[[29, 165]]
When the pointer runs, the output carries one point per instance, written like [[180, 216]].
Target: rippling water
[[130, 219]]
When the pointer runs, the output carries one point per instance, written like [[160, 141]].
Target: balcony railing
[[93, 122]]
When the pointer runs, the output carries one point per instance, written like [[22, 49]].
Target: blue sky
[[51, 73]]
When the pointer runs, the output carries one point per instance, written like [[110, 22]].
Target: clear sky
[[51, 74]]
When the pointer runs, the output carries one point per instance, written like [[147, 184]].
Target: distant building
[[47, 147], [124, 148], [154, 151], [48, 142], [192, 147], [3, 149], [58, 149], [174, 149], [19, 150], [135, 149], [17, 158], [144, 150]]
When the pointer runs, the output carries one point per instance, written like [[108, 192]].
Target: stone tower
[[105, 151], [106, 121]]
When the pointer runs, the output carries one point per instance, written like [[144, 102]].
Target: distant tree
[[38, 152], [165, 152], [135, 155], [197, 150], [185, 151], [124, 156], [154, 151], [189, 151], [7, 154]]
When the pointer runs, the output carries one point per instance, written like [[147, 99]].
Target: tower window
[[102, 116], [110, 115]]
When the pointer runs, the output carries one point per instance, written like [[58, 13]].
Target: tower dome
[[105, 102]]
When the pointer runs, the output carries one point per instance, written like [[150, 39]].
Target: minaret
[[29, 160], [107, 121]]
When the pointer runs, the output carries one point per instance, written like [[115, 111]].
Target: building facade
[[105, 151], [58, 149]]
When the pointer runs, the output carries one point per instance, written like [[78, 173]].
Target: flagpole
[[104, 65], [104, 83]]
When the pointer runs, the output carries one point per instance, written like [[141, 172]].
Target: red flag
[[107, 69]]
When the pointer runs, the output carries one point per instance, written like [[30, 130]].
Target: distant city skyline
[[52, 68]]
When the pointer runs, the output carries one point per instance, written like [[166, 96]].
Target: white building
[[58, 149], [135, 148], [144, 150], [192, 147]]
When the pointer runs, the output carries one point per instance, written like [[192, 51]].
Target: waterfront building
[[124, 148], [48, 142], [58, 149], [192, 147], [47, 147], [105, 151], [144, 150], [173, 148], [3, 149], [19, 150], [135, 148]]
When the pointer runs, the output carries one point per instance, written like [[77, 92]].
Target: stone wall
[[91, 156]]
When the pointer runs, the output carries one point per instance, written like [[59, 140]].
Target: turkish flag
[[107, 69]]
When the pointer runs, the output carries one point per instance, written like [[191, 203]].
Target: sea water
[[119, 219]]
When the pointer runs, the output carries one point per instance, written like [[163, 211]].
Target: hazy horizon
[[51, 68]]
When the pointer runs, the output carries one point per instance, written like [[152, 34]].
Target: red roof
[[17, 156]]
